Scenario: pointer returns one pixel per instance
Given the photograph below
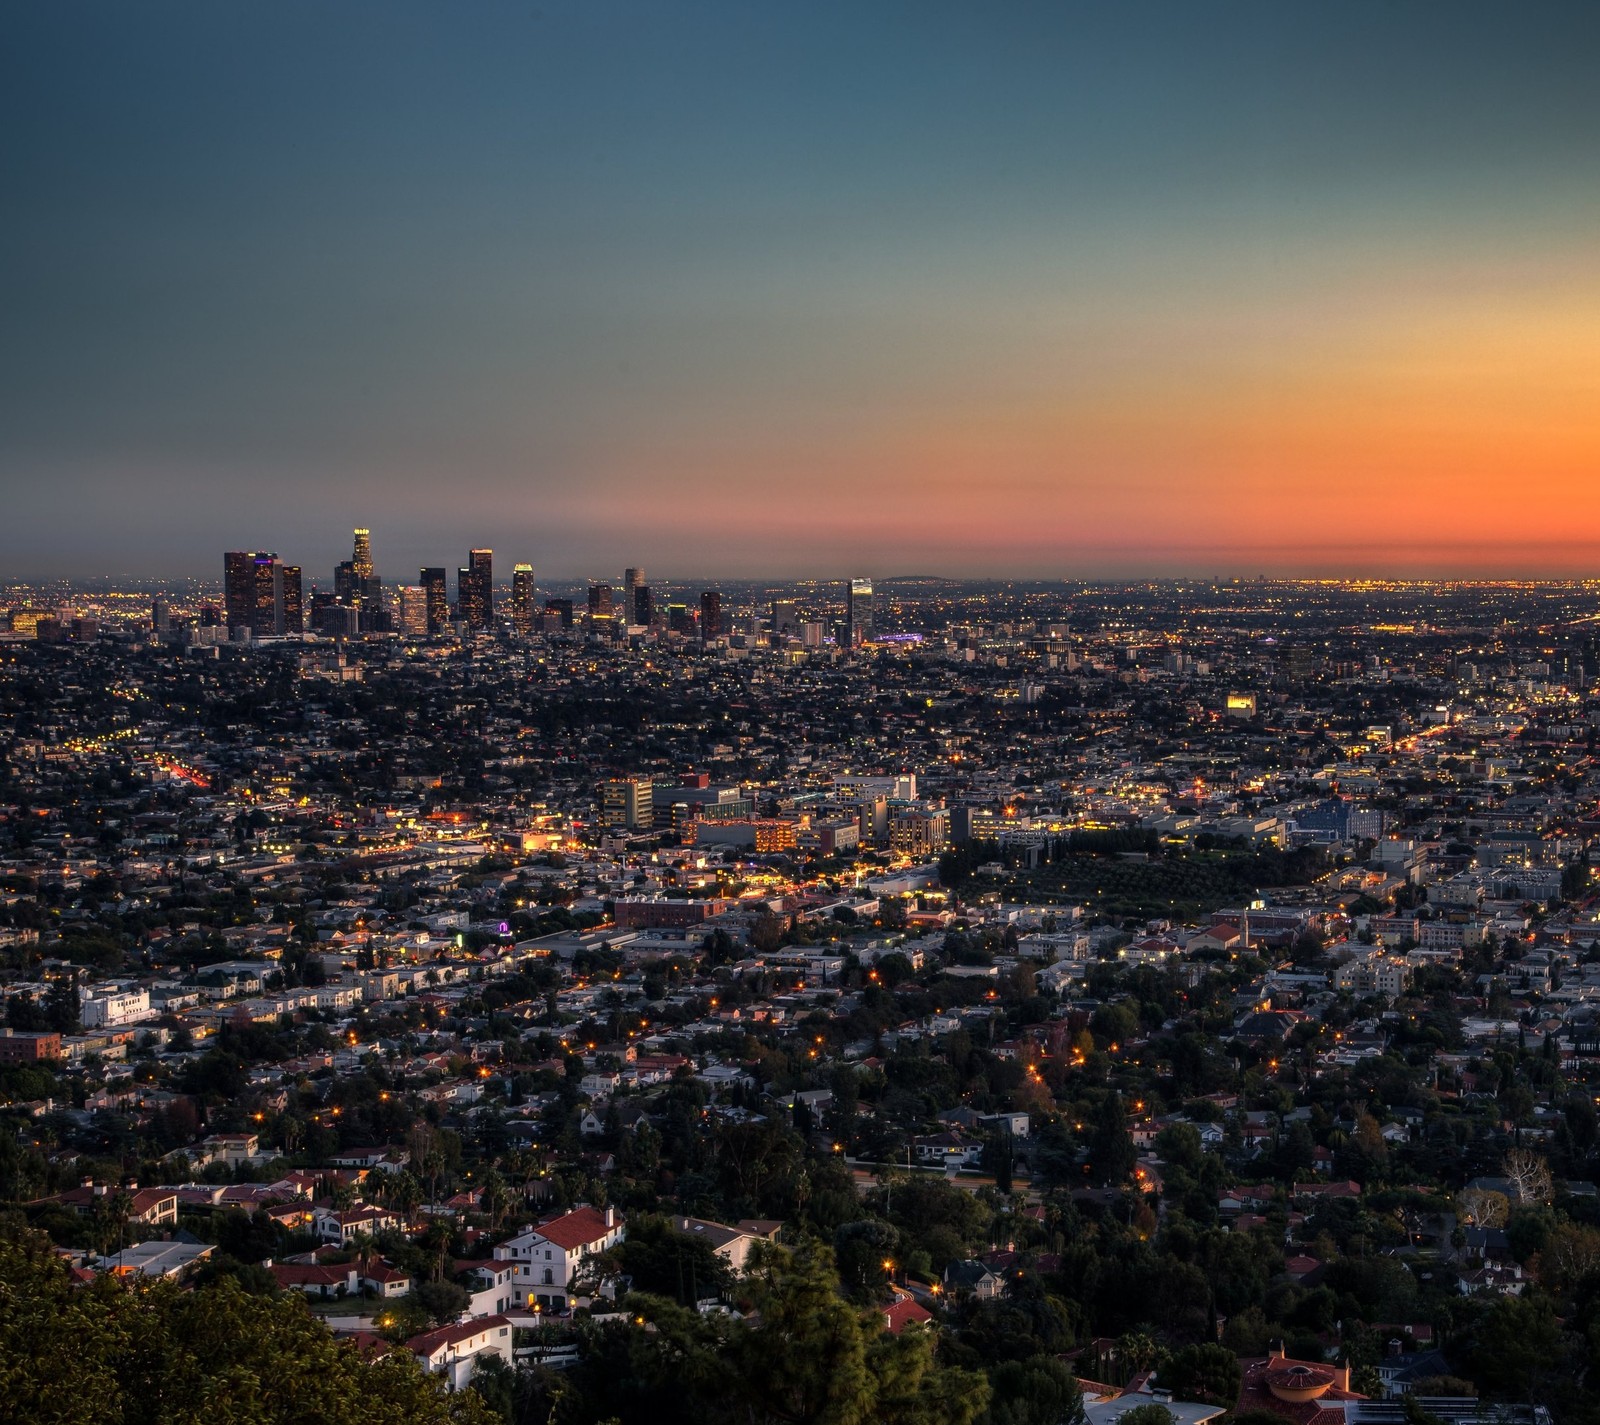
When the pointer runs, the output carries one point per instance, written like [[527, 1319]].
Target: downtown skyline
[[1050, 292]]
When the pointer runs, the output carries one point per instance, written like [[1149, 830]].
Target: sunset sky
[[794, 287]]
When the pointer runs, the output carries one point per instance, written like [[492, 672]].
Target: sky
[[783, 288]]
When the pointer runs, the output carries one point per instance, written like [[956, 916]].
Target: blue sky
[[798, 288]]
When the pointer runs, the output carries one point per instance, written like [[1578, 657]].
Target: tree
[[1178, 1145], [155, 1355], [1481, 1207], [1111, 1147], [1151, 1414], [812, 1358], [1571, 1252], [1207, 1374], [1529, 1175], [443, 1301]]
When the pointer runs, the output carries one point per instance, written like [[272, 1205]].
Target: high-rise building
[[248, 591], [436, 596], [858, 613], [366, 589], [599, 601], [632, 579], [522, 599], [561, 608], [414, 619], [160, 615], [288, 611], [710, 616], [644, 605], [785, 619], [475, 590]]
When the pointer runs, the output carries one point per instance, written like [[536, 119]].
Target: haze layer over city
[[752, 714]]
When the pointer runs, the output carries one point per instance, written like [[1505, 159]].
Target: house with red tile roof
[[904, 1311], [453, 1351], [546, 1258], [1302, 1392]]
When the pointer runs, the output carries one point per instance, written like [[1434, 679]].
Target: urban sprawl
[[909, 1000]]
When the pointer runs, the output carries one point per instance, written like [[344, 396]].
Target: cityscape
[[723, 713], [1176, 996]]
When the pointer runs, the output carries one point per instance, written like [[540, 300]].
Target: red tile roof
[[577, 1229], [905, 1312]]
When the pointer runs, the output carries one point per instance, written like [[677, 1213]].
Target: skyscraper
[[366, 589], [858, 613], [288, 611], [710, 616], [785, 619], [522, 599], [475, 590], [644, 605], [599, 601], [436, 596], [249, 591], [414, 619]]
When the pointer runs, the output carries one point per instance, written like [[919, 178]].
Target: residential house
[[546, 1258]]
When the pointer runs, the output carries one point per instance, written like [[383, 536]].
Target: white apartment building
[[111, 1006]]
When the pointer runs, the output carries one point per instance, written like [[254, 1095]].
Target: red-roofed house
[[452, 1351], [322, 1282], [547, 1257], [1304, 1392], [904, 1311], [343, 1228]]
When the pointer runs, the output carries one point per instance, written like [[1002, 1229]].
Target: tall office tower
[[599, 601], [366, 587], [522, 598], [644, 605], [785, 619], [414, 619], [632, 578], [160, 615], [562, 609], [710, 616], [288, 610], [436, 594], [858, 612], [632, 582], [475, 590], [247, 590]]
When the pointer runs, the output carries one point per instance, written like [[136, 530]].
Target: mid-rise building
[[110, 1006], [628, 802]]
